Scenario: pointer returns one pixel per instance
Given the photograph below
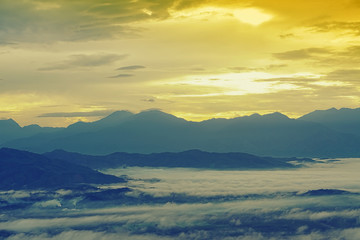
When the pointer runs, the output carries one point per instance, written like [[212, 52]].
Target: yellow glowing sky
[[63, 61]]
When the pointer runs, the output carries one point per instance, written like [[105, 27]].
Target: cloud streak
[[77, 114], [301, 54], [131, 67], [124, 75], [83, 60]]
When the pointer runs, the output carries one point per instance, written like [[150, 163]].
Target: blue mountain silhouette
[[155, 131]]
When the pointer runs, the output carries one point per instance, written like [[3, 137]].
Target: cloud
[[85, 235], [265, 68], [77, 114], [83, 60], [352, 28], [345, 75], [197, 69], [41, 21], [5, 43], [151, 100], [301, 54], [215, 220], [242, 69], [324, 57], [345, 79], [122, 76], [287, 35], [248, 205], [213, 183], [131, 67]]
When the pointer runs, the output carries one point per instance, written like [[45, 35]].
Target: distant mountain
[[155, 131], [26, 170], [113, 119], [344, 120], [187, 159], [10, 130]]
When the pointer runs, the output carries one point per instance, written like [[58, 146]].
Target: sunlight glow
[[252, 16], [147, 11], [231, 84]]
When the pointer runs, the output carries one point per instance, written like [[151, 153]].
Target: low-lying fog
[[321, 201], [338, 175]]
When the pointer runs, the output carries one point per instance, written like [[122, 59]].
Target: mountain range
[[322, 133], [186, 159], [26, 170], [66, 170]]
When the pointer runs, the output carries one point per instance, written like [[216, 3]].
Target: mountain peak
[[32, 126], [9, 123], [121, 113], [333, 114], [113, 119], [116, 117], [269, 116], [155, 114], [153, 111]]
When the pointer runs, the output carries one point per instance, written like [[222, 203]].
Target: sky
[[64, 61]]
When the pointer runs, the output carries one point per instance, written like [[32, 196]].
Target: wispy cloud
[[265, 68], [77, 114], [121, 76], [300, 54], [347, 27], [131, 67], [83, 60]]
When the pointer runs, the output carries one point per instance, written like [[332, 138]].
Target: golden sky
[[68, 60]]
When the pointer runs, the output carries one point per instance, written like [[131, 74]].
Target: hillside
[[26, 170], [187, 159]]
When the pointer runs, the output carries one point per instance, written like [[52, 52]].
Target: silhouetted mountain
[[26, 170], [154, 131], [344, 120], [10, 130], [191, 158], [113, 119]]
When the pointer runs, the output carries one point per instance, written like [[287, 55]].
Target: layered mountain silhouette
[[187, 159], [330, 133], [26, 170], [344, 120], [10, 130]]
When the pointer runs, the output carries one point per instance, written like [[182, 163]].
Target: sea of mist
[[319, 201]]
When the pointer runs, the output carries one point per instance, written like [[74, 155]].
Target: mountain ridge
[[27, 170], [193, 158], [153, 131]]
